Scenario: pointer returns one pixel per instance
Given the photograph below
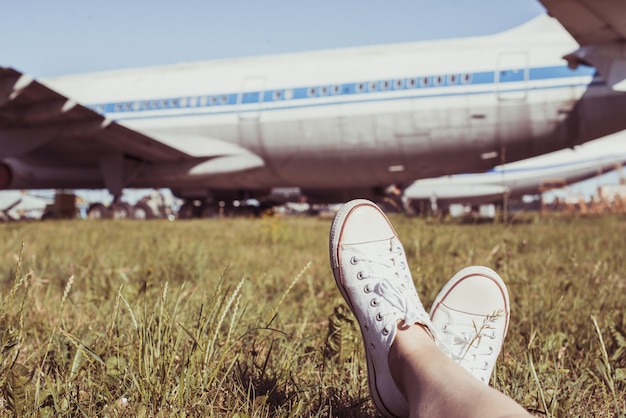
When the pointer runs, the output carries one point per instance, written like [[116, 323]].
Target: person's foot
[[471, 317], [371, 271]]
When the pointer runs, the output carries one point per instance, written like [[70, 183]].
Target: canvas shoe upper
[[371, 271], [471, 318]]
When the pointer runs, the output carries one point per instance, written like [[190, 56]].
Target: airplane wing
[[41, 127], [600, 29], [590, 21]]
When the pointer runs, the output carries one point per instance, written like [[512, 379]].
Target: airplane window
[[204, 100], [162, 104], [224, 99], [277, 95], [452, 79], [118, 107], [336, 89], [467, 78], [360, 87], [373, 86], [136, 106], [411, 83], [438, 80], [399, 84], [425, 81], [183, 102], [385, 85], [312, 91], [289, 94], [323, 91]]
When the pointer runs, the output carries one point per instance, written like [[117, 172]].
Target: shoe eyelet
[[366, 328], [385, 331], [360, 275], [374, 302], [372, 346], [490, 351], [444, 328], [353, 260], [485, 365], [492, 335], [367, 289], [379, 317]]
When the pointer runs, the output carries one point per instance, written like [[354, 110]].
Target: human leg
[[372, 274], [403, 360], [436, 386], [471, 318]]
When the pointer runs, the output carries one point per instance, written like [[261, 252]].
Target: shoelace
[[469, 346], [388, 269]]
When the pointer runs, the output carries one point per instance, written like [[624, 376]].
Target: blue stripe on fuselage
[[352, 92]]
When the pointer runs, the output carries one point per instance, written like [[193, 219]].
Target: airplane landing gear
[[203, 209], [120, 210], [97, 211], [197, 208], [142, 211], [191, 209]]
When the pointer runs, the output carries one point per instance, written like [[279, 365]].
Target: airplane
[[334, 124], [532, 176]]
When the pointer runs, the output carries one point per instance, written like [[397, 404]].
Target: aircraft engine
[[6, 175]]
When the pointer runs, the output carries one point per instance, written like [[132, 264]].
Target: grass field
[[241, 317]]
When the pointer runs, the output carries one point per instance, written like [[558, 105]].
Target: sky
[[53, 38]]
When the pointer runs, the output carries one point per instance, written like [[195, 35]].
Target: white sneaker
[[471, 318], [371, 271]]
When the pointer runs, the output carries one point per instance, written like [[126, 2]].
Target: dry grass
[[241, 317]]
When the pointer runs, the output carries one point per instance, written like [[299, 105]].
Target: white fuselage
[[527, 177], [342, 122]]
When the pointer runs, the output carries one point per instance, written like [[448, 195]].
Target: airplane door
[[514, 117], [511, 76], [249, 110]]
